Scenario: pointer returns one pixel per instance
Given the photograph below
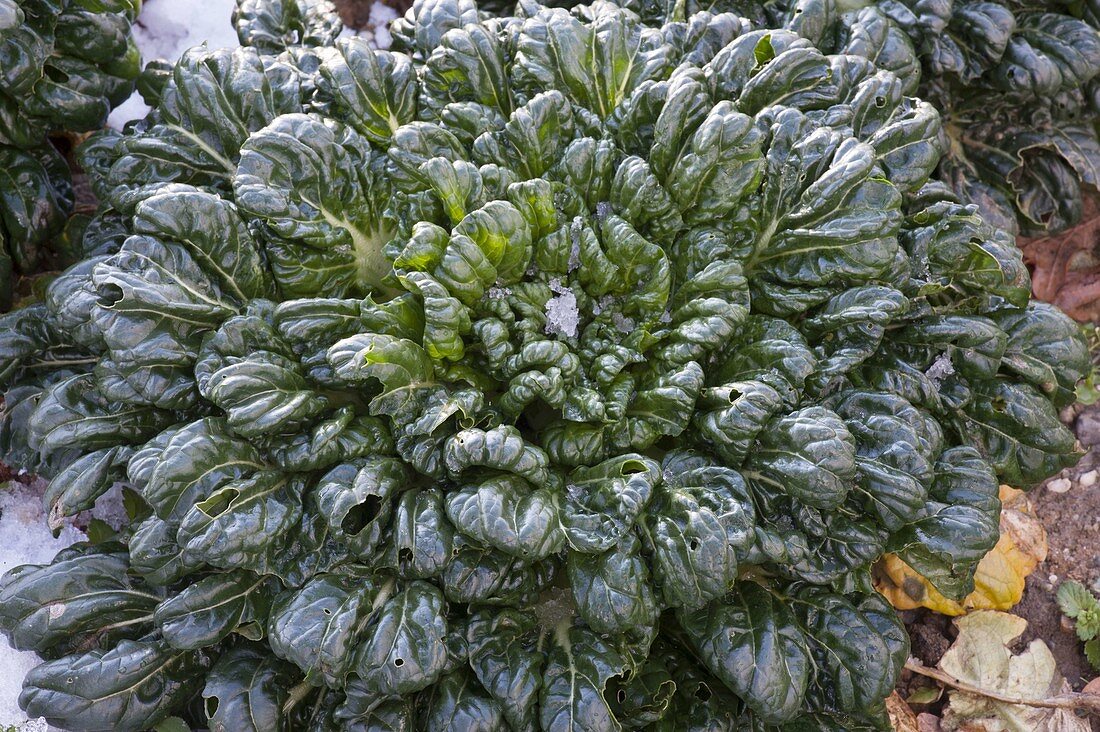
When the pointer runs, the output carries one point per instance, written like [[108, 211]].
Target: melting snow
[[575, 250], [167, 28], [34, 725], [111, 508], [622, 323], [603, 304]]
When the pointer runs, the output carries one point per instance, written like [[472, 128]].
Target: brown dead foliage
[[1065, 267]]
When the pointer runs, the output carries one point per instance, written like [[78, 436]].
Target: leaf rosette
[[552, 372], [1015, 83]]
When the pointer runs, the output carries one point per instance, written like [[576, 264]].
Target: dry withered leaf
[[902, 717], [981, 657], [1065, 268]]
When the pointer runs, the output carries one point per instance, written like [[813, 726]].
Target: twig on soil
[[1070, 700]]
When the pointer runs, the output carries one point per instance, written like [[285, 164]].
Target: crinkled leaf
[[246, 690], [602, 503], [506, 514], [403, 650], [752, 642], [316, 626], [212, 608], [809, 454], [612, 590], [131, 686]]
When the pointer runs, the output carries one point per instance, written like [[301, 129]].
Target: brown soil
[[356, 13], [7, 474], [930, 635], [1072, 522], [1065, 270]]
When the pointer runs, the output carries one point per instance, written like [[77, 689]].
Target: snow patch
[[940, 369], [167, 28], [111, 508], [133, 108], [575, 250], [622, 323], [602, 304], [563, 317], [26, 540], [381, 15]]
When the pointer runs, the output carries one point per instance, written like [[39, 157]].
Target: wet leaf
[[1000, 575]]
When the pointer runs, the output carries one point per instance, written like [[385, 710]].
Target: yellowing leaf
[[999, 580], [981, 658]]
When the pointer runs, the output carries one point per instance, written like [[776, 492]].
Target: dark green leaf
[[752, 642], [130, 687], [246, 690], [404, 648], [215, 606]]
